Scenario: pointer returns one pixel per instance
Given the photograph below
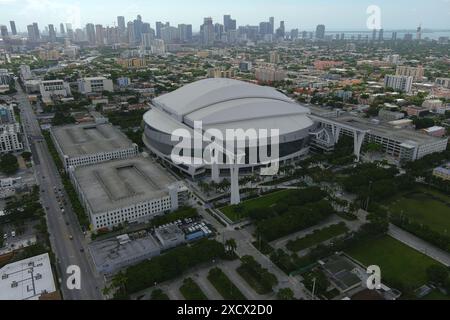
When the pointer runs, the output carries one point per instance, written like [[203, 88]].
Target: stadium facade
[[225, 104]]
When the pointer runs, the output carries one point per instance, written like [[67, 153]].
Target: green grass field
[[257, 203], [191, 291], [422, 208], [436, 295], [398, 262], [317, 237], [224, 285]]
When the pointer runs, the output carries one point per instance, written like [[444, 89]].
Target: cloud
[[70, 13]]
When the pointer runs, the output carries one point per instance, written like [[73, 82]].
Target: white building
[[443, 82], [25, 72], [10, 138], [416, 72], [401, 83], [95, 84], [432, 104], [29, 279], [393, 59], [126, 191], [50, 88], [158, 47], [269, 73], [5, 77], [9, 186], [87, 144]]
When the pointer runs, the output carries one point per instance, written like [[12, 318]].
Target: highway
[[67, 239]]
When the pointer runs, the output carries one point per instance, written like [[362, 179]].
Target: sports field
[[398, 262], [430, 208]]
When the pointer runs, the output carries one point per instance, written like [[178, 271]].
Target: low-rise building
[[416, 72], [269, 73], [435, 131], [91, 143], [442, 172], [170, 236], [126, 191], [5, 77], [387, 115], [112, 255], [95, 85], [53, 88], [432, 104], [28, 279], [443, 82], [220, 73], [10, 138], [7, 114], [401, 83]]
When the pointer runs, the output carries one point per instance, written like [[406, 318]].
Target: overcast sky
[[335, 14]]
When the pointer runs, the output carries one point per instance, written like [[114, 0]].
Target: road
[[61, 226], [419, 244]]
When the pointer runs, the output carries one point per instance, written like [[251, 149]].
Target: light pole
[[314, 288]]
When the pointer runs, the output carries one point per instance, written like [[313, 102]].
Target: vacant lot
[[398, 262], [430, 208]]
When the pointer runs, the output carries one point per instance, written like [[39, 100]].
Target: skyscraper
[[228, 23], [69, 31], [394, 35], [4, 32], [121, 23], [121, 28], [13, 28], [37, 33], [265, 28], [130, 32], [207, 31], [320, 31], [99, 35], [30, 31], [62, 30], [138, 25], [272, 25], [381, 35], [185, 32], [33, 32], [51, 33], [90, 33], [281, 31], [159, 26]]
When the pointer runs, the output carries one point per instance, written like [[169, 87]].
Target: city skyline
[[342, 16]]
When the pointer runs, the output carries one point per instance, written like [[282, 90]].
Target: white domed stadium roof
[[228, 104]]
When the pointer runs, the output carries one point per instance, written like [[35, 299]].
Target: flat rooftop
[[386, 130], [121, 183], [382, 129], [27, 279], [79, 140], [111, 253]]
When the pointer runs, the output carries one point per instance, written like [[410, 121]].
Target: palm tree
[[119, 281], [231, 245]]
